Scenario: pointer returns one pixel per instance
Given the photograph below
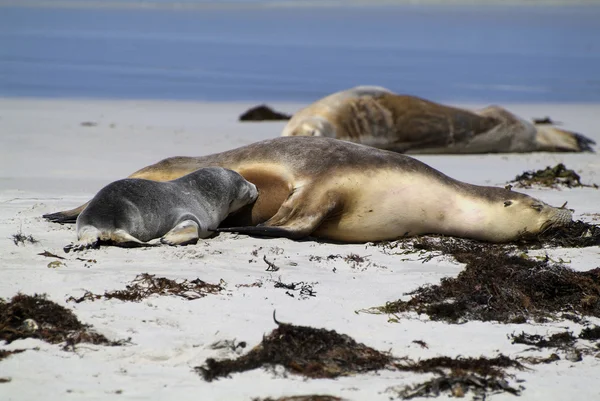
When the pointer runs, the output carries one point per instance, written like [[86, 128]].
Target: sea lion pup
[[343, 191], [377, 117], [133, 211]]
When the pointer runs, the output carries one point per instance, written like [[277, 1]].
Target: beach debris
[[320, 353], [145, 285], [263, 113], [545, 121], [231, 345], [22, 239], [421, 343], [557, 340], [590, 333], [532, 360], [457, 386], [88, 124], [304, 290], [305, 351], [563, 341], [314, 397], [482, 366], [50, 255], [271, 266], [457, 376], [576, 234], [550, 177], [498, 285], [35, 316], [573, 355], [55, 264], [6, 353]]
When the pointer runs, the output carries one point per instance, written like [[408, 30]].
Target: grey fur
[[146, 209]]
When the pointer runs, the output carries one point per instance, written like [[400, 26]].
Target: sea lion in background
[[347, 192], [377, 117], [133, 211]]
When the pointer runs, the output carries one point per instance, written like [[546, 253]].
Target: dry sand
[[51, 161]]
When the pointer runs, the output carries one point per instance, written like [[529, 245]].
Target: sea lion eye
[[507, 203], [537, 206]]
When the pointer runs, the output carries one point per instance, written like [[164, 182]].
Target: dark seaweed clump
[[590, 333], [456, 376], [20, 238], [263, 113], [500, 286], [26, 316], [576, 234], [310, 352], [482, 366], [145, 285], [564, 341], [320, 353], [551, 177], [457, 386], [557, 340]]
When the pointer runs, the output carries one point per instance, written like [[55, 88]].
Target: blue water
[[479, 54]]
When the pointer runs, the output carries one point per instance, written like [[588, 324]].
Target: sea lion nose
[[563, 217]]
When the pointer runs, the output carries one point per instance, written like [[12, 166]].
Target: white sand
[[50, 162]]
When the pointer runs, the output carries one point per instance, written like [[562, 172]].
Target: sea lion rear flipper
[[552, 139], [66, 216], [298, 217], [185, 233]]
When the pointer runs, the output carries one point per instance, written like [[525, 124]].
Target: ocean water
[[484, 54]]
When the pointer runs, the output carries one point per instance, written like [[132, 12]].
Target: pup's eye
[[507, 203], [537, 207]]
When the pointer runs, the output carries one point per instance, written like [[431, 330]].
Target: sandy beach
[[57, 153]]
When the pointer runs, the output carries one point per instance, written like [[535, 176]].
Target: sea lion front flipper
[[263, 231], [298, 217], [185, 233]]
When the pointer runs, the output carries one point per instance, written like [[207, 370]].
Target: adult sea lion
[[353, 193], [133, 211], [377, 117]]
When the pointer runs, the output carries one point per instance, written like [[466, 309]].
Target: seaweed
[[306, 351], [499, 286], [20, 238], [576, 234], [550, 177], [557, 340], [320, 353], [26, 316], [6, 353], [590, 333], [263, 113], [457, 386], [145, 285]]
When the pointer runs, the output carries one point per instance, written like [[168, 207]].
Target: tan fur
[[346, 192], [377, 117]]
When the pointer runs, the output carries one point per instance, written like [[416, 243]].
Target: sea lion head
[[312, 126], [530, 216], [246, 194]]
